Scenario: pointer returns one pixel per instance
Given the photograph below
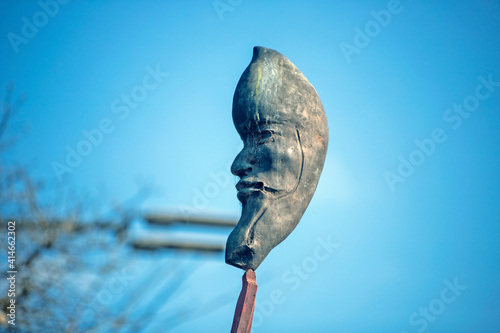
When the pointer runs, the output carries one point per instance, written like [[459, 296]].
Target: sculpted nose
[[242, 164]]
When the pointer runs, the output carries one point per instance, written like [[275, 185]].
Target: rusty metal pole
[[243, 315]]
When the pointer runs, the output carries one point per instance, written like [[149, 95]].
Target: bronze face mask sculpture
[[281, 121]]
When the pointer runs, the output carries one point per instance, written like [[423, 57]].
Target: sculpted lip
[[247, 187], [242, 185]]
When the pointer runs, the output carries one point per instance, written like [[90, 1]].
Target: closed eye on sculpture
[[264, 136]]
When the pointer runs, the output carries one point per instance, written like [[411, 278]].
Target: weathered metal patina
[[281, 121]]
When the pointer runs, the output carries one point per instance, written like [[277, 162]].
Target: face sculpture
[[283, 126]]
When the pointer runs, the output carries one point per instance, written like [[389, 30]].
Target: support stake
[[243, 315]]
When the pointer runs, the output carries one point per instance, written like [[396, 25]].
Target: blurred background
[[117, 114]]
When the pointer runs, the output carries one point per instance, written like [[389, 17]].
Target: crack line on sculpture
[[250, 233], [300, 172]]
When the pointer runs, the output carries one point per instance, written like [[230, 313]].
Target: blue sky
[[403, 236]]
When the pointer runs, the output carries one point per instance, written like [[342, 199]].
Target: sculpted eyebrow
[[251, 126], [262, 123]]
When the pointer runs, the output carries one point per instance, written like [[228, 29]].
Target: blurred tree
[[73, 261], [55, 244]]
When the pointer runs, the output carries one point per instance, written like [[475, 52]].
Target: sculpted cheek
[[285, 166], [291, 157], [266, 158]]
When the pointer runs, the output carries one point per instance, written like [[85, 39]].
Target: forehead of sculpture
[[273, 90], [249, 117]]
